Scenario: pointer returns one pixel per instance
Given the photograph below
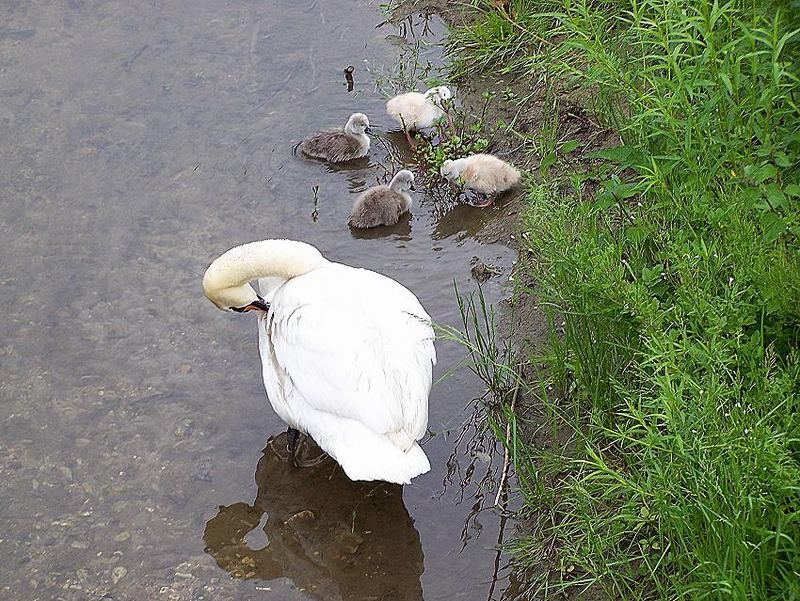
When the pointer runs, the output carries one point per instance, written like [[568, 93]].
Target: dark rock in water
[[348, 76], [480, 270]]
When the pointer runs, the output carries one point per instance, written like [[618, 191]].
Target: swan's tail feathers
[[367, 455], [395, 466]]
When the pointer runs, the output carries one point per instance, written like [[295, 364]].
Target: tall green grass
[[677, 374]]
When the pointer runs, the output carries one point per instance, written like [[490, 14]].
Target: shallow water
[[139, 141]]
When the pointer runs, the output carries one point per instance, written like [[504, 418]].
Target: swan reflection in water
[[335, 539]]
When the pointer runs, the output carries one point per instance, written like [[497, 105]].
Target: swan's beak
[[413, 188], [257, 305], [368, 130]]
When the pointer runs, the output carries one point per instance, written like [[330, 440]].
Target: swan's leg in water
[[294, 442], [292, 436]]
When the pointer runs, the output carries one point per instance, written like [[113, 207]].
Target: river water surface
[[140, 139]]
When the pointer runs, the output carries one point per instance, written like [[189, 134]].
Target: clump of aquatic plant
[[456, 135], [431, 154]]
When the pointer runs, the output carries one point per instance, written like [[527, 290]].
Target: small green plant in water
[[450, 141], [490, 359]]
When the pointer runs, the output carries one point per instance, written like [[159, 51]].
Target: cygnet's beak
[[257, 305], [412, 186], [368, 129]]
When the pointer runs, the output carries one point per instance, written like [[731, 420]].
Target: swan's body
[[340, 145], [383, 205], [415, 111], [347, 354], [483, 173]]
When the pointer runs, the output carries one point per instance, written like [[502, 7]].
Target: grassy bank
[[675, 380]]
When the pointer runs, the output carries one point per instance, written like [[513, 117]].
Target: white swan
[[482, 173], [383, 205], [415, 111], [346, 353]]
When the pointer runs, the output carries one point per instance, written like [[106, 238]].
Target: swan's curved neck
[[407, 200], [226, 281]]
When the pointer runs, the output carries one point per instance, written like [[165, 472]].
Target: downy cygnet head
[[439, 94], [357, 124], [450, 170], [402, 181]]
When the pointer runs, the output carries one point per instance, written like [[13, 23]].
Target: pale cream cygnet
[[482, 173], [415, 111]]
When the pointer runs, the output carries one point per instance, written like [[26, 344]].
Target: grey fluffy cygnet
[[340, 145], [383, 205]]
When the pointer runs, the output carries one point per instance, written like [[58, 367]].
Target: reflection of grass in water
[[492, 418], [409, 71], [315, 197], [406, 74]]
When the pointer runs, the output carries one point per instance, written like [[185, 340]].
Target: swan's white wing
[[357, 345]]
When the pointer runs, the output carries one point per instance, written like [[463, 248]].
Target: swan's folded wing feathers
[[343, 363]]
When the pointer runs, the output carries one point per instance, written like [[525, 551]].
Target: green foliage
[[454, 137], [431, 155], [678, 285], [490, 360]]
